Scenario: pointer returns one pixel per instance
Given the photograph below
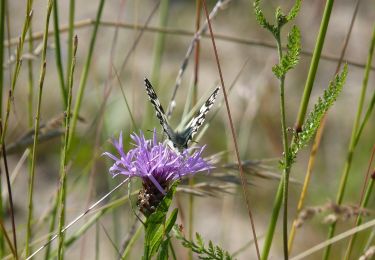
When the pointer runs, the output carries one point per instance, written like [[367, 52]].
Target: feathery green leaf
[[291, 58], [294, 11], [320, 108], [198, 247]]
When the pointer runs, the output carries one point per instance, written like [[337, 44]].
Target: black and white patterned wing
[[158, 109], [199, 118]]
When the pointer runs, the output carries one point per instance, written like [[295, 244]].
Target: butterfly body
[[180, 139]]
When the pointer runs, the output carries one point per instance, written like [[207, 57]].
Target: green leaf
[[280, 17], [156, 228], [259, 16], [163, 252], [211, 252], [291, 58], [162, 231], [294, 11], [320, 108]]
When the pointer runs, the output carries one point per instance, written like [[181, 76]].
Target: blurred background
[[246, 57]]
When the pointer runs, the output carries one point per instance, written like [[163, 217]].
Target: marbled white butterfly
[[180, 139]]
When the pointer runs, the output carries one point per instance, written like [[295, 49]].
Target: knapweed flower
[[157, 165]]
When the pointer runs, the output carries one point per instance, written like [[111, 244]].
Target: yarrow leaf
[[294, 11], [198, 246], [259, 15], [291, 58], [281, 18], [320, 108]]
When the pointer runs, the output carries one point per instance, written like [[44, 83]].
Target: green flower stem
[[359, 219], [85, 72], [52, 226], [70, 37], [58, 52], [314, 64], [2, 26], [160, 42], [36, 129], [30, 102], [352, 144], [299, 122], [356, 133], [134, 238], [64, 158], [30, 71], [272, 225], [2, 29], [21, 41], [286, 170]]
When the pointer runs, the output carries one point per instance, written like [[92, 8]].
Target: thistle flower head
[[156, 164]]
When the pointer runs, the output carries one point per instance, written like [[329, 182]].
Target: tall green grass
[[49, 78]]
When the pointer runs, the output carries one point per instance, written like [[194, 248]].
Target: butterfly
[[180, 139]]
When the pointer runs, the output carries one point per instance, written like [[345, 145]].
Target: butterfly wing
[[158, 109], [200, 116]]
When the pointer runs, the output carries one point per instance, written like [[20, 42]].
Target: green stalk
[[52, 226], [70, 37], [62, 202], [31, 89], [359, 219], [356, 132], [158, 51], [2, 26], [36, 129], [17, 69], [198, 8], [286, 169], [299, 122], [134, 238], [85, 72], [2, 29], [58, 52], [160, 42], [272, 225], [314, 64], [30, 71]]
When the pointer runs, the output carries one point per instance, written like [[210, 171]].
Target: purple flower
[[156, 162]]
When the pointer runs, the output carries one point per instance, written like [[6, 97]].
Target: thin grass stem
[[2, 29], [286, 170], [356, 131], [11, 205], [160, 42], [365, 196], [198, 8], [242, 175], [85, 72], [52, 225], [59, 65], [300, 119], [17, 69], [87, 211], [314, 64], [64, 160], [319, 135], [4, 231], [70, 38], [36, 130], [133, 239], [30, 101]]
